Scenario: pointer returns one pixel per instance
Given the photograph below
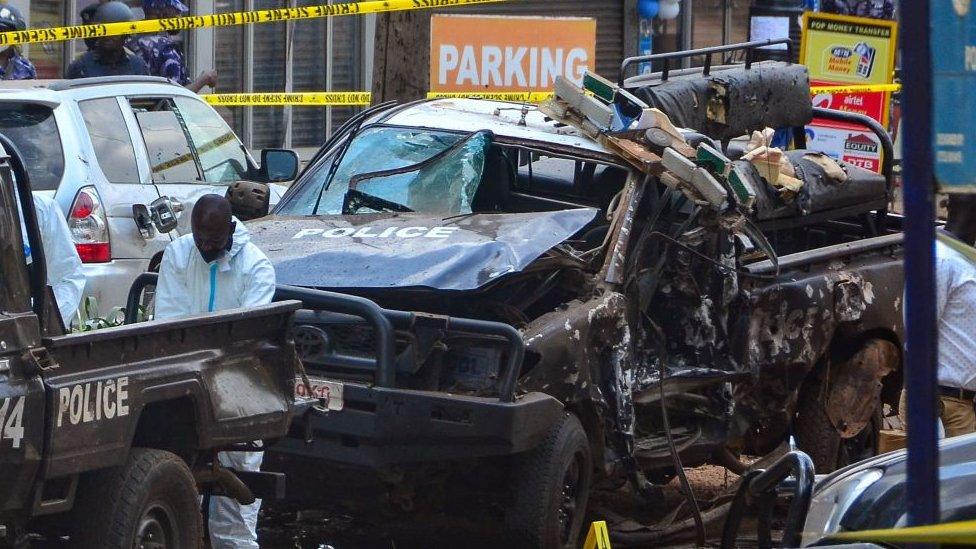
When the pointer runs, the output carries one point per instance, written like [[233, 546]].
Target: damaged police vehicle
[[588, 301]]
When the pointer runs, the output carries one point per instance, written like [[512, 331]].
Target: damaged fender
[[855, 386]]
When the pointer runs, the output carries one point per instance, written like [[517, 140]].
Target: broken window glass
[[447, 186]]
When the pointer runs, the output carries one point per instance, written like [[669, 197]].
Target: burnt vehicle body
[[628, 298], [109, 436]]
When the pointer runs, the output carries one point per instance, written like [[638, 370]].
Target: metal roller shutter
[[609, 15]]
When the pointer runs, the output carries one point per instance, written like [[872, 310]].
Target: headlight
[[831, 502]]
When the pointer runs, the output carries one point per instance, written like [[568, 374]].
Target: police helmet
[[11, 19], [177, 5], [113, 12]]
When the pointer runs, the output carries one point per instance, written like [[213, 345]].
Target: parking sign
[[954, 81]]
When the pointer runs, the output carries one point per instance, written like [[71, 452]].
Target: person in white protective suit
[[215, 268], [64, 269]]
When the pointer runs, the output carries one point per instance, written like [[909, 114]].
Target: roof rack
[[748, 47], [62, 85]]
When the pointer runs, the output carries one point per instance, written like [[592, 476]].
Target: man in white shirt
[[955, 278], [956, 309]]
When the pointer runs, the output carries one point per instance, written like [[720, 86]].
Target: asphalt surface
[[619, 506]]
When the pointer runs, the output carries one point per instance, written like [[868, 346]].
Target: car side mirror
[[279, 165]]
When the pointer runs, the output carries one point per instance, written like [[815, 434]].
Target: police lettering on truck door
[[93, 401], [11, 421]]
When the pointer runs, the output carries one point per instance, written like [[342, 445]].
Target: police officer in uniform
[[13, 65], [162, 54], [109, 56], [876, 9]]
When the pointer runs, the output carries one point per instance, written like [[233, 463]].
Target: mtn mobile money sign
[[840, 49], [494, 54]]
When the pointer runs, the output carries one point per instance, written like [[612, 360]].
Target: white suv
[[101, 146]]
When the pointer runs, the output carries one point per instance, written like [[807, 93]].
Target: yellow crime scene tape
[[518, 97], [313, 99], [320, 99], [953, 533], [201, 150], [57, 34], [856, 89]]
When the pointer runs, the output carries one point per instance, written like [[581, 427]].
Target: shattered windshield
[[445, 186]]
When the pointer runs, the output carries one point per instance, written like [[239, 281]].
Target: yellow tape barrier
[[316, 99], [517, 97], [538, 97], [57, 34], [856, 89], [201, 150], [321, 99], [955, 533]]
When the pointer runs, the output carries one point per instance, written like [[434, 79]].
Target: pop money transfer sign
[[844, 50]]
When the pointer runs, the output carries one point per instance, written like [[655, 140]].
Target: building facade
[[336, 54]]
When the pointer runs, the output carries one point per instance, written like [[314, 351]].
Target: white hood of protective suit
[[188, 285]]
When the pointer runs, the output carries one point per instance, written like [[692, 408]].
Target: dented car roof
[[501, 117]]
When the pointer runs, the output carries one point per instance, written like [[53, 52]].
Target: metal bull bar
[[383, 322]]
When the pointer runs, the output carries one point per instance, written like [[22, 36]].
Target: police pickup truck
[[109, 437]]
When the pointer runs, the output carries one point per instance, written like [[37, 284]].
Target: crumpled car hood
[[410, 250]]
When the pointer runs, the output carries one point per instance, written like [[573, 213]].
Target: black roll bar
[[877, 129], [759, 491], [748, 47]]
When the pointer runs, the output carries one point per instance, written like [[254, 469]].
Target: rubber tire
[[817, 436], [532, 521], [110, 503]]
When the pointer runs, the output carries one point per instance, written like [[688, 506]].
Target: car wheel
[[817, 436], [551, 487], [151, 501]]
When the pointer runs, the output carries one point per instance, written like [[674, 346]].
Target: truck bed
[[227, 373]]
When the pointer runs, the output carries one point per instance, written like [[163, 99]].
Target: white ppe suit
[[188, 285], [64, 268]]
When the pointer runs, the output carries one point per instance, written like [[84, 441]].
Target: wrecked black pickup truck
[[109, 437], [634, 289]]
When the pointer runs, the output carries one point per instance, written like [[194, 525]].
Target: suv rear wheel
[[151, 501], [551, 487]]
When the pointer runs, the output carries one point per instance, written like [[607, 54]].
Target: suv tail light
[[89, 227]]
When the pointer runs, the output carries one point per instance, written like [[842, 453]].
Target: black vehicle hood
[[410, 250]]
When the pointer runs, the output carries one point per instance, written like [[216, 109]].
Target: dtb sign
[[508, 54]]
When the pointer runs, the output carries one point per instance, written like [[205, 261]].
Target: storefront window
[[47, 58], [312, 54], [310, 70], [229, 62], [346, 63], [709, 21], [269, 76]]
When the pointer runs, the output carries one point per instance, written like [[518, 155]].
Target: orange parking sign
[[492, 54]]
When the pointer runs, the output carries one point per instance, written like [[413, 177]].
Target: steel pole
[[920, 314]]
